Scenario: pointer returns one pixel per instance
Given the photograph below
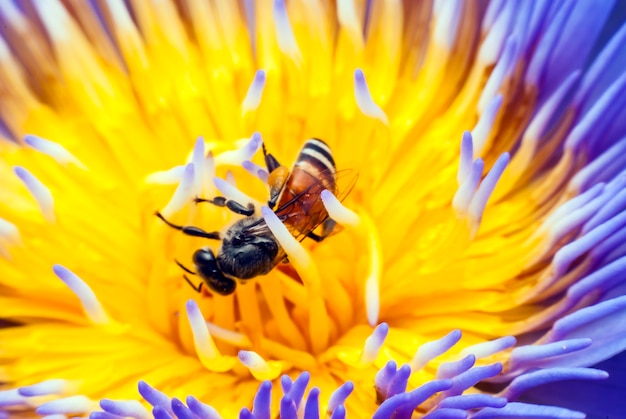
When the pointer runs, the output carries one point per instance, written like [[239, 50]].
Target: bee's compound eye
[[237, 241], [203, 257]]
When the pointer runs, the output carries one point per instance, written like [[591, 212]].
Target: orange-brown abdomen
[[300, 206]]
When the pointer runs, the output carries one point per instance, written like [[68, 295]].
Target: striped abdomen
[[300, 205]]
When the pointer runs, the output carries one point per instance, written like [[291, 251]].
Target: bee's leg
[[191, 230], [234, 206], [270, 161], [196, 288], [184, 268], [327, 228]]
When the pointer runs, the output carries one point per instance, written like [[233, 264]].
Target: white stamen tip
[[254, 94], [183, 194], [479, 201], [91, 305], [481, 131], [12, 398], [68, 405], [430, 350], [348, 18], [467, 190], [166, 177], [372, 299], [256, 171], [125, 408], [52, 149], [467, 155], [284, 34], [197, 158], [54, 18], [226, 335], [447, 23], [230, 191], [364, 99], [39, 191], [120, 15], [205, 347], [238, 156], [252, 360], [372, 282], [337, 211], [297, 254], [258, 367], [44, 388], [373, 344], [485, 349], [9, 232]]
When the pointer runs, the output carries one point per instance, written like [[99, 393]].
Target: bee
[[248, 247]]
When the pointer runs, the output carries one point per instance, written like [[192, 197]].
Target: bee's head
[[245, 255]]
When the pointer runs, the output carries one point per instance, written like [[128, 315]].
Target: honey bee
[[248, 247]]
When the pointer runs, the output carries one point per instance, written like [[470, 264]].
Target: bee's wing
[[344, 181]]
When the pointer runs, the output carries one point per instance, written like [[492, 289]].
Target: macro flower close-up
[[312, 208]]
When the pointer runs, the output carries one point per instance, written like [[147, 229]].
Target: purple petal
[[340, 395], [263, 401], [599, 399], [452, 369], [181, 411], [312, 406], [537, 378], [472, 401], [527, 411]]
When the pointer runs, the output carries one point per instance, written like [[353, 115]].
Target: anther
[[91, 305], [337, 211], [254, 94], [207, 352], [373, 344], [39, 191], [183, 194], [258, 367], [52, 149], [364, 99]]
